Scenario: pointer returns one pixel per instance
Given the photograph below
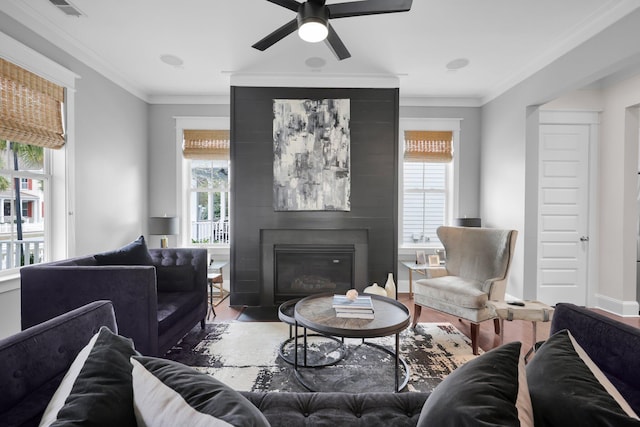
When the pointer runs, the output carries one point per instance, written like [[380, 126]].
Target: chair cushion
[[453, 290], [174, 278], [174, 306]]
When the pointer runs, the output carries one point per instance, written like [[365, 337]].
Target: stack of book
[[359, 308]]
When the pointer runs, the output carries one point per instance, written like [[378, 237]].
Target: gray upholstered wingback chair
[[476, 271]]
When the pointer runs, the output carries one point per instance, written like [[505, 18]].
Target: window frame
[[210, 192], [452, 175], [183, 184], [59, 210]]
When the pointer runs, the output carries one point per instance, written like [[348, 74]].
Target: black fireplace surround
[[300, 262]]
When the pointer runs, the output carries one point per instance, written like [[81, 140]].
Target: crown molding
[[24, 13], [190, 99], [337, 80], [426, 101]]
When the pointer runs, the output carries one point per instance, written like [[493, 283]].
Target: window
[[23, 179], [207, 155], [32, 129], [424, 201], [209, 201], [427, 180]]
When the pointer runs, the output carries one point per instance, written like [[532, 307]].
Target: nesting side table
[[533, 311]]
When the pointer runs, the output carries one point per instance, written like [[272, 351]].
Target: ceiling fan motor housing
[[312, 12]]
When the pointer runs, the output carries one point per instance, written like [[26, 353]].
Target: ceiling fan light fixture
[[313, 31], [313, 22]]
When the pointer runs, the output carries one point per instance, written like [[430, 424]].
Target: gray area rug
[[245, 356]]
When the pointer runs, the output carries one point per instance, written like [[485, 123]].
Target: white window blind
[[424, 202], [427, 155]]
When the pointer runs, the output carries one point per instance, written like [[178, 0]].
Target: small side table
[[533, 311], [215, 280], [424, 269]]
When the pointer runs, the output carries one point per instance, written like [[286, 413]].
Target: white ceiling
[[504, 40]]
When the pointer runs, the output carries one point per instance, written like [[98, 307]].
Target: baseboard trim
[[615, 306]]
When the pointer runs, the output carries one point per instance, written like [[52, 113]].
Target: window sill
[[9, 281], [411, 250]]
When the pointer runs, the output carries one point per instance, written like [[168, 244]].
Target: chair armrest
[[495, 288], [48, 291]]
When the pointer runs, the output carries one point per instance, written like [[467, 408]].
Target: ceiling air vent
[[67, 8]]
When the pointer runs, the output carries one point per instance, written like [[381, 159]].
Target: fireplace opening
[[301, 270]]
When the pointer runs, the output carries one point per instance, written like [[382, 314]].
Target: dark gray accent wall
[[374, 186]]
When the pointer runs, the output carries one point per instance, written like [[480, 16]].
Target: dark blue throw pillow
[[568, 389], [490, 390], [135, 253]]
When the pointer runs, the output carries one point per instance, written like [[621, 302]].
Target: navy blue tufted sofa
[[155, 305], [35, 360]]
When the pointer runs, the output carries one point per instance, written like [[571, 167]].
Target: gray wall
[[509, 164], [110, 197], [164, 155], [469, 152], [374, 149], [109, 193]]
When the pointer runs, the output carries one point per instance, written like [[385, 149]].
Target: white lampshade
[[313, 31]]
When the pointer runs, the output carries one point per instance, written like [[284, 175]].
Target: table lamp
[[164, 226]]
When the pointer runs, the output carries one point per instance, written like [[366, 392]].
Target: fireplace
[[302, 270], [300, 262]]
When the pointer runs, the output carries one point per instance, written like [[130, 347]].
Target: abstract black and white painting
[[311, 155]]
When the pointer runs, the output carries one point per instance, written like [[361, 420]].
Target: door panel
[[563, 189]]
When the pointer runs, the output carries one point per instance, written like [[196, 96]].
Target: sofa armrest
[[612, 345], [48, 291], [35, 360]]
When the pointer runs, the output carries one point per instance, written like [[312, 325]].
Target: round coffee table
[[316, 313], [285, 314]]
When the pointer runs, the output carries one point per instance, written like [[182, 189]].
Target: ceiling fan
[[312, 20]]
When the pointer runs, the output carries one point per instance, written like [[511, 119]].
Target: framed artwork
[[311, 155], [434, 261], [421, 257]]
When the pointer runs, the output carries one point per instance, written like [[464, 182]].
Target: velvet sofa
[[35, 361], [158, 294]]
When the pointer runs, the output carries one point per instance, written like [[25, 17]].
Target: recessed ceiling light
[[171, 60], [315, 62], [457, 64]]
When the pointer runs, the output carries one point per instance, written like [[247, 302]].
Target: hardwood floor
[[516, 330]]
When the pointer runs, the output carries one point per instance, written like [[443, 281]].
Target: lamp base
[[164, 242]]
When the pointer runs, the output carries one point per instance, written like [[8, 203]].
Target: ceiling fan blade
[[289, 4], [277, 35], [335, 44], [318, 2], [368, 7]]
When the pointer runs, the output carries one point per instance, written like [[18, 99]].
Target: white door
[[563, 208]]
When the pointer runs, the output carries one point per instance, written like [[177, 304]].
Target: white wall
[[619, 170], [109, 201], [164, 155], [509, 167]]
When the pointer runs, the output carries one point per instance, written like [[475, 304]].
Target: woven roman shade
[[428, 146], [206, 144], [30, 108]]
